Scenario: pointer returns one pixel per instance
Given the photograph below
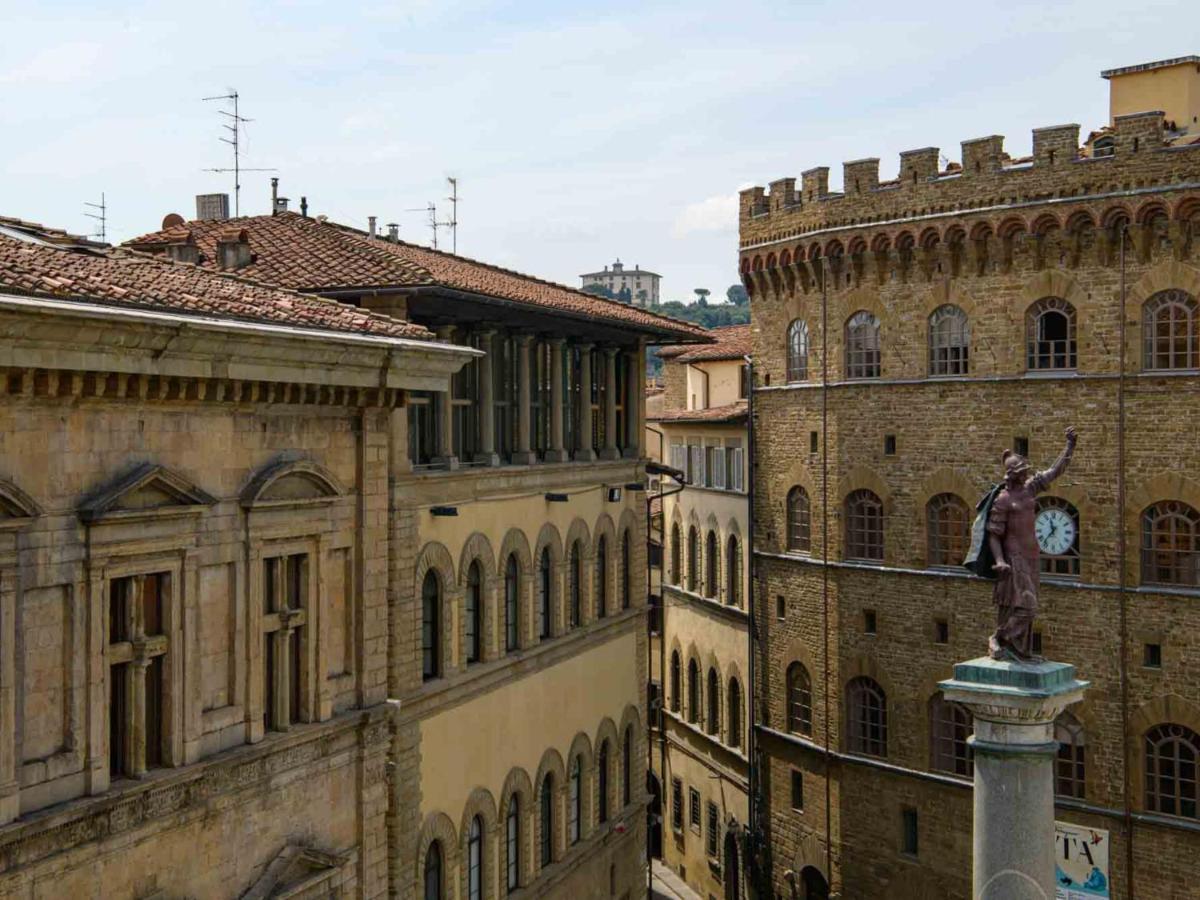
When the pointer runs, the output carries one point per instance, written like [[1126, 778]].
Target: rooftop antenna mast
[[234, 127], [101, 217], [434, 224], [453, 223]]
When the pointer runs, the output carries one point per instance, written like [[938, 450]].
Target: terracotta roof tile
[[729, 413], [731, 342], [314, 255], [132, 279]]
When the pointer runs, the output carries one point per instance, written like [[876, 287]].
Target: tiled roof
[[132, 279], [732, 342], [316, 255], [731, 412]]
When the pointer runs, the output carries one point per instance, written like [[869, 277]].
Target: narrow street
[[668, 886]]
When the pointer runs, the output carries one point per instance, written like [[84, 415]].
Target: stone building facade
[[905, 334], [700, 756], [516, 581], [638, 284]]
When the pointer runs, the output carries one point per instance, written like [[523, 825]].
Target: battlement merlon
[[985, 175]]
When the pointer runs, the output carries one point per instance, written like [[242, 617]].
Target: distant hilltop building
[[635, 286]]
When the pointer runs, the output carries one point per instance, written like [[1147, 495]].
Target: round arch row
[[708, 694], [707, 559], [539, 820]]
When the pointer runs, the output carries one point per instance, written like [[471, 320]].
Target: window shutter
[[738, 478], [718, 467]]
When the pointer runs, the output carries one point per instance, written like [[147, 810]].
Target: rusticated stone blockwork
[[905, 334]]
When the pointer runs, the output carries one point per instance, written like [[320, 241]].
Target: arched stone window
[[864, 526], [733, 572], [714, 702], [512, 843], [1172, 753], [693, 563], [602, 577], [1169, 330], [862, 346], [575, 586], [949, 341], [431, 626], [547, 817], [676, 554], [575, 801], [512, 588], [1069, 765], [602, 787], [475, 860], [676, 691], [1064, 531], [433, 872], [1050, 335], [797, 351], [474, 617], [799, 521], [712, 559], [948, 521], [1171, 544], [735, 713], [799, 699], [693, 711], [949, 727], [545, 594], [866, 709]]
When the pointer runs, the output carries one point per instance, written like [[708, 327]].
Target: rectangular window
[[694, 809], [677, 804], [780, 607], [1037, 643], [714, 826], [1021, 446], [889, 445], [814, 442], [718, 467], [137, 610], [908, 831], [733, 462], [285, 591], [1152, 656], [869, 622], [941, 631], [797, 790], [422, 429]]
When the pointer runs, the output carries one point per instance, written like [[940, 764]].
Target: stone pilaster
[[610, 450], [9, 786], [523, 453], [487, 401], [557, 452], [583, 434]]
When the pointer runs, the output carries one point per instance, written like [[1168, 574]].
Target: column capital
[[555, 340], [611, 350], [525, 338], [583, 345]]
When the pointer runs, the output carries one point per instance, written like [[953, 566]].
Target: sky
[[579, 133]]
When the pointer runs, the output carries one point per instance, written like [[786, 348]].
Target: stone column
[[556, 453], [610, 405], [523, 454], [138, 671], [444, 411], [487, 402], [281, 714], [633, 399], [1014, 705], [10, 788], [583, 434]]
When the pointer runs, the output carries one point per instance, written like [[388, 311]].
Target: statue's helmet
[[1014, 463]]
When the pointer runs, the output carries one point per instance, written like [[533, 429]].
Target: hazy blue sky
[[578, 132]]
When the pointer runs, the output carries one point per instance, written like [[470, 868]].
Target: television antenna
[[101, 217], [234, 127], [453, 223], [430, 209]]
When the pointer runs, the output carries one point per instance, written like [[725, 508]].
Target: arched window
[[512, 619], [862, 346], [712, 558], [676, 554], [433, 871], [693, 563], [1050, 335], [799, 521], [866, 708], [475, 860], [948, 521], [545, 594], [602, 577], [799, 699], [949, 341], [693, 692], [474, 616], [1171, 759], [733, 572], [626, 572], [864, 526], [431, 626], [714, 702], [627, 767], [1169, 328], [1171, 544], [575, 809], [512, 843], [1062, 533], [547, 835], [1069, 766], [950, 725], [602, 775], [735, 713], [676, 692], [797, 351], [575, 585]]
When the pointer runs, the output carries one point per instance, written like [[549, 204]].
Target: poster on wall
[[1080, 862]]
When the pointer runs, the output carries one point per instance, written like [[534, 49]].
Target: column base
[[555, 456], [610, 453], [524, 458], [588, 455], [449, 463], [487, 459]]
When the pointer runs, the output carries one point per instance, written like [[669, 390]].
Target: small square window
[[941, 631], [797, 790], [869, 622], [1152, 656], [780, 607], [1037, 643], [889, 445], [908, 831], [813, 442], [1021, 446]]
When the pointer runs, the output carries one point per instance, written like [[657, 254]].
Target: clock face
[[1055, 530]]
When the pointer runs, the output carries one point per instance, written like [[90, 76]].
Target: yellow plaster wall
[[1174, 90]]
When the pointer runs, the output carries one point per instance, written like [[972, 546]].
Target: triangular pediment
[[298, 871], [16, 507], [291, 481], [147, 489]]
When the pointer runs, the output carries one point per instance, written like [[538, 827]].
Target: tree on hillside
[[737, 295]]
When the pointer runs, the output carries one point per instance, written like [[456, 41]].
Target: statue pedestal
[[1014, 705]]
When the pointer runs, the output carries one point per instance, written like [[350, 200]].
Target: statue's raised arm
[[1043, 479]]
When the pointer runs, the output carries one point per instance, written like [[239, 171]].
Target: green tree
[[737, 295]]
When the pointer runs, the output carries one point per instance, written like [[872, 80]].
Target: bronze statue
[[1013, 537]]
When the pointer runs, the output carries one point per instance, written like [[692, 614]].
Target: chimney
[[233, 249], [183, 249], [304, 206], [212, 206], [274, 195], [393, 231], [371, 225], [280, 206]]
